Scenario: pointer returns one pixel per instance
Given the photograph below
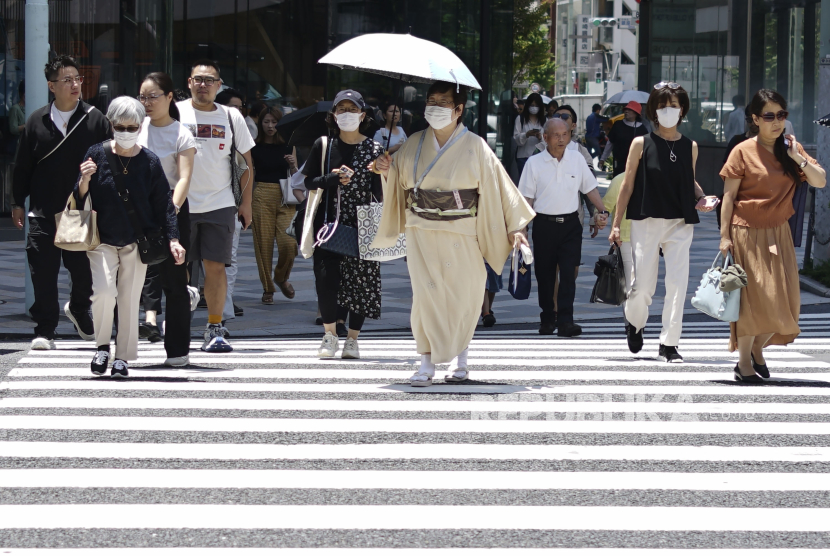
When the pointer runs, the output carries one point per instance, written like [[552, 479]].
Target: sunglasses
[[671, 85], [127, 129], [770, 116], [565, 117]]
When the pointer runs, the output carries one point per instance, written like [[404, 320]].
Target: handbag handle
[[727, 261]]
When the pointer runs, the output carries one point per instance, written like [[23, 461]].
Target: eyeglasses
[[671, 85], [150, 98], [442, 104], [198, 80], [565, 117], [127, 129], [770, 116], [68, 80]]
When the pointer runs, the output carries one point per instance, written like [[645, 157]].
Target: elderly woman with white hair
[[117, 269]]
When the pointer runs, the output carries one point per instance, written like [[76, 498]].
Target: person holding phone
[[344, 283], [760, 178], [661, 198], [527, 130]]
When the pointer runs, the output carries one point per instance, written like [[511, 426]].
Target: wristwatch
[[803, 164]]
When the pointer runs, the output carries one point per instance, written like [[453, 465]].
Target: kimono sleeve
[[393, 220]]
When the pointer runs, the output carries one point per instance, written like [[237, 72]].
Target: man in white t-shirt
[[551, 182], [213, 212]]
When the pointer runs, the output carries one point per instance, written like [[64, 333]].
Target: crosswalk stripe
[[394, 389], [478, 424], [208, 551], [529, 406], [402, 452], [587, 518], [381, 479]]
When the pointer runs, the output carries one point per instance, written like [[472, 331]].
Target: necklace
[[122, 162], [61, 117], [672, 156]]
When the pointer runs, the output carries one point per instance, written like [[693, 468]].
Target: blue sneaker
[[215, 341]]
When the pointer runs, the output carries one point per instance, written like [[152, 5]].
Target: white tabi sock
[[427, 366], [460, 361]]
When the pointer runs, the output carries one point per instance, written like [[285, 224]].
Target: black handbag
[[610, 273], [153, 247], [337, 237]]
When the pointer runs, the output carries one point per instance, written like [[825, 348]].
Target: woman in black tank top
[[661, 198]]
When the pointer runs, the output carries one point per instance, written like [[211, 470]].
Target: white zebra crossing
[[586, 423]]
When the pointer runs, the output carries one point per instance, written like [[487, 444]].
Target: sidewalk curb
[[813, 286]]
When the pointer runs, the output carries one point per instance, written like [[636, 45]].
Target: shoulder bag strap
[[123, 192], [65, 137]]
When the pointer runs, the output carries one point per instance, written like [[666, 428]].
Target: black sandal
[[751, 379], [762, 370]]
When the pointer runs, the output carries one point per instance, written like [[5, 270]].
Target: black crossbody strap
[[118, 177]]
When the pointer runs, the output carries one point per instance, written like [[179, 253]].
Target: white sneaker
[[350, 349], [194, 297], [43, 344], [328, 347], [177, 361]]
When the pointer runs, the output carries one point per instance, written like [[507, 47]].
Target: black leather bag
[[610, 285], [335, 236], [153, 247]]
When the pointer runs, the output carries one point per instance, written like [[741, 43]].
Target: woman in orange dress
[[760, 178]]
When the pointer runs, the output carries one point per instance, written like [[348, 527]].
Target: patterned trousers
[[270, 220]]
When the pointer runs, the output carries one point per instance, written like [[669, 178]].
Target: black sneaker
[[82, 321], [149, 331], [669, 354], [119, 369], [489, 320], [238, 311], [546, 329], [341, 330], [569, 330], [635, 338], [100, 361]]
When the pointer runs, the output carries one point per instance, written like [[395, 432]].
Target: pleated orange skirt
[[771, 300]]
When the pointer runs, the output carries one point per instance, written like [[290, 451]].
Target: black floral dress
[[360, 280]]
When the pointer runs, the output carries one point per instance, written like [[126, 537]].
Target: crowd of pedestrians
[[175, 178]]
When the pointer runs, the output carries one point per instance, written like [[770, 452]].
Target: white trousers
[[231, 272], [628, 262], [647, 238], [117, 279]]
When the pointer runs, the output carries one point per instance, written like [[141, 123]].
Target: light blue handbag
[[709, 299]]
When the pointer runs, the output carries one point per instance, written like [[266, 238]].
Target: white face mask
[[438, 117], [668, 116], [533, 110], [125, 139], [348, 121]]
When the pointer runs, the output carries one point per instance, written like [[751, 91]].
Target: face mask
[[668, 116], [348, 121], [438, 117], [533, 109], [125, 139]]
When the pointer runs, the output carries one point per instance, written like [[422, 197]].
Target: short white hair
[[125, 110]]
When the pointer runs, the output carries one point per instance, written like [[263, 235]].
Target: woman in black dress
[[344, 282], [662, 196], [622, 134]]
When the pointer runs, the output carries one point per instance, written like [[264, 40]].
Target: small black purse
[[610, 273], [337, 237], [153, 248]]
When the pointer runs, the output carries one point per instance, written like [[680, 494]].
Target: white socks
[[427, 366], [460, 361]]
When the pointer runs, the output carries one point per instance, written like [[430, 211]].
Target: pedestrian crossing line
[[472, 362], [182, 551], [118, 387], [417, 480], [481, 425], [547, 407], [416, 452], [477, 375], [369, 353], [401, 517]]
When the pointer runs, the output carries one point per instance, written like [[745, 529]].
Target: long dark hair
[[260, 138], [534, 99], [756, 107], [165, 83]]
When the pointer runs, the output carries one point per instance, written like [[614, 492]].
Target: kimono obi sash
[[443, 205]]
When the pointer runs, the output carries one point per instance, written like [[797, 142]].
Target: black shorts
[[211, 235]]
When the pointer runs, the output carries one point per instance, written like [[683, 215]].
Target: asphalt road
[[554, 443]]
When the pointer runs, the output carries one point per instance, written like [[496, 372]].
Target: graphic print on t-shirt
[[191, 128], [218, 132], [204, 131]]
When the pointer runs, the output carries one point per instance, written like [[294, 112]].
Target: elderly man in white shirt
[[551, 183]]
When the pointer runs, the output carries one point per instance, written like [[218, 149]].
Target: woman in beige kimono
[[449, 193]]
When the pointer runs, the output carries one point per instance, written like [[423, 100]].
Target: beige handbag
[[314, 198], [77, 229]]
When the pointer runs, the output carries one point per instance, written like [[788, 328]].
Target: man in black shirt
[[52, 148]]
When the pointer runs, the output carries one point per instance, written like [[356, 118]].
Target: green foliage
[[820, 272], [532, 59]]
